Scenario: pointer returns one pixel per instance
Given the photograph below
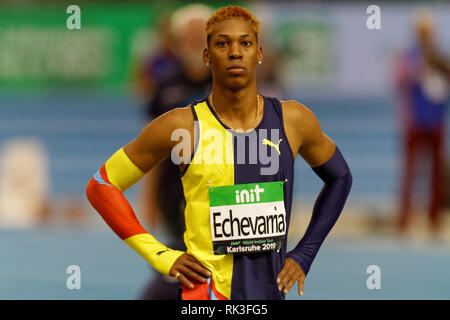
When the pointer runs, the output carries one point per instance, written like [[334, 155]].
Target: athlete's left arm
[[320, 152]]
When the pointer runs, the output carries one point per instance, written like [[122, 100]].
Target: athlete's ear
[[206, 57], [260, 55]]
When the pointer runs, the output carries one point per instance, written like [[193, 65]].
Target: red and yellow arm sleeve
[[105, 193]]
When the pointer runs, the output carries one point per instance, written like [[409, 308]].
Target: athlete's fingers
[[195, 265], [176, 264], [300, 286], [289, 286], [301, 280], [286, 274], [191, 274], [291, 271], [199, 269], [185, 281], [281, 275], [284, 277], [177, 271]]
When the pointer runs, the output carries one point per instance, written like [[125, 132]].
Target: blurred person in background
[[267, 74], [423, 78], [156, 66], [24, 184], [172, 78]]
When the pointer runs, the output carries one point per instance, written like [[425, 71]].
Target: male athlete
[[423, 85], [238, 191]]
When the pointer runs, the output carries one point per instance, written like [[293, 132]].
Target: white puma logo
[[270, 143]]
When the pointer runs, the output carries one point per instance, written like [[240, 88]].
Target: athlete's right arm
[[126, 167]]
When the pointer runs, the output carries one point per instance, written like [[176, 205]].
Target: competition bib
[[247, 218]]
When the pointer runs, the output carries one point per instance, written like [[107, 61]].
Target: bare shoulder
[[155, 142], [177, 118], [305, 134], [299, 124], [299, 116]]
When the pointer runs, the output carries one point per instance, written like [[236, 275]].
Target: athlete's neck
[[237, 108]]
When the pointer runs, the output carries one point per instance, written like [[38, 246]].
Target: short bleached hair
[[231, 12]]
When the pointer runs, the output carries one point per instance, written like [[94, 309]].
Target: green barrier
[[38, 51]]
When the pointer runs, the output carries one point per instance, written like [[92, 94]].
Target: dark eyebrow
[[227, 36]]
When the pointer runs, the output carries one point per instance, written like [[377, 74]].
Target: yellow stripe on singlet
[[212, 165]]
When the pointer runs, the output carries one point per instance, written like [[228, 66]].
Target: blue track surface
[[33, 266]]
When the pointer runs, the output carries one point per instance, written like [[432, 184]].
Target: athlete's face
[[233, 53]]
